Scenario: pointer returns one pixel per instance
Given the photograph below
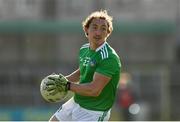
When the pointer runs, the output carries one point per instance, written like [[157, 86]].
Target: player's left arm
[[91, 89], [74, 76], [101, 77], [105, 71], [87, 89]]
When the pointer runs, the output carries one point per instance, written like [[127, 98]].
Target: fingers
[[61, 76], [51, 87], [52, 78], [53, 92], [50, 82]]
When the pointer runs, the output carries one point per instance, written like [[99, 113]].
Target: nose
[[98, 32]]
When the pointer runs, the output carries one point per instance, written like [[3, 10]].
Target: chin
[[100, 41]]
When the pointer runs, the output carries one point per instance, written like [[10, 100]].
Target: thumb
[[61, 76]]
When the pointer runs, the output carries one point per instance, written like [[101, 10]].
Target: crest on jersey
[[92, 63]]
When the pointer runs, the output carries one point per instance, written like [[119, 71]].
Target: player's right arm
[[75, 76]]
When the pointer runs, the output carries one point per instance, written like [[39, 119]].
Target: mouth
[[97, 37]]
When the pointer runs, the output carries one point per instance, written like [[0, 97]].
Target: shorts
[[71, 111]]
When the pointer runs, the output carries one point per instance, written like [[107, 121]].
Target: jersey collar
[[100, 47]]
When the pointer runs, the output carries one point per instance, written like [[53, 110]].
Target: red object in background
[[125, 98]]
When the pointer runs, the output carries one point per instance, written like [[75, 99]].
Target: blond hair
[[102, 14]]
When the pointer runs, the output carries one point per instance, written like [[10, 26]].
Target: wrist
[[68, 86]]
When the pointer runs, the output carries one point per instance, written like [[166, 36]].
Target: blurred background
[[39, 37]]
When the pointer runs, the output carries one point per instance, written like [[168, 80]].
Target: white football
[[46, 94]]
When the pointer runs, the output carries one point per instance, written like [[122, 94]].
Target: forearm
[[74, 77], [93, 88], [85, 89]]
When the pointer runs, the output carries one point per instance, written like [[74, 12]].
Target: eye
[[103, 28], [94, 27]]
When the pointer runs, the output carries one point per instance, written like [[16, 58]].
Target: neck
[[94, 46]]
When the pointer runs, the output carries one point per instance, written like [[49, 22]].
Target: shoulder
[[104, 53], [108, 56], [84, 46], [107, 52]]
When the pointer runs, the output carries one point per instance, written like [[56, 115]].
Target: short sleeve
[[108, 67]]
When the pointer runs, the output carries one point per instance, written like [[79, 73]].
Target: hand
[[58, 84]]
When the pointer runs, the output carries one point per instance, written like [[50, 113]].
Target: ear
[[86, 31], [108, 33]]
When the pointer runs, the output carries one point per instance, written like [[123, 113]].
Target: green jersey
[[103, 60]]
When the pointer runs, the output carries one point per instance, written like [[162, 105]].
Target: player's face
[[97, 31]]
